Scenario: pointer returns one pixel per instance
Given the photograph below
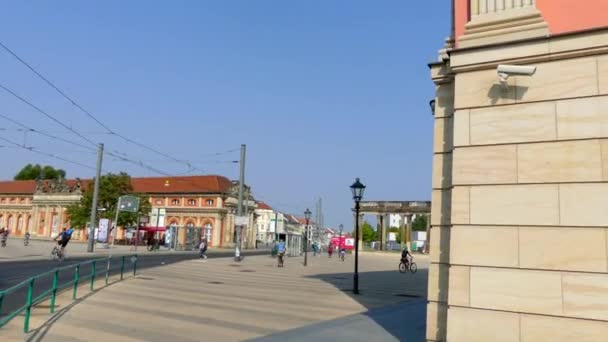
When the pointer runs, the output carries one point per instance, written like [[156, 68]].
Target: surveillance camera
[[504, 71]]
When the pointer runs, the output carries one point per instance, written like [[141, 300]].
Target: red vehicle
[[346, 241]]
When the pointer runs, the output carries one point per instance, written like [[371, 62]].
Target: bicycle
[[155, 246], [57, 254], [408, 265], [342, 255], [281, 257]]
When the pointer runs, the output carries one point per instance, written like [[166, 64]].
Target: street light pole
[[307, 214], [91, 245], [239, 214], [357, 190]]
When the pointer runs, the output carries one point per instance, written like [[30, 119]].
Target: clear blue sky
[[321, 91]]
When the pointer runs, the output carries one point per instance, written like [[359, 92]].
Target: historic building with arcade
[[205, 204]]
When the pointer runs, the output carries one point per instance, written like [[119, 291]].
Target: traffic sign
[[129, 204]]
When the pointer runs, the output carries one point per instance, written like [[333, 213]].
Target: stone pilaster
[[497, 21]]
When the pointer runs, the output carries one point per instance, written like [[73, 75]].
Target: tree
[[419, 223], [369, 234], [111, 186], [31, 172]]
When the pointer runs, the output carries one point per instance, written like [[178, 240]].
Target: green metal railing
[[56, 287]]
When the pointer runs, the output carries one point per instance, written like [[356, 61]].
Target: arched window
[[209, 202], [207, 229], [192, 202], [9, 224], [175, 202]]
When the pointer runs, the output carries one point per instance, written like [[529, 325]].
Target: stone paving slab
[[219, 299]]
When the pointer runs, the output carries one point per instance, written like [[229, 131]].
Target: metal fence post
[[28, 309], [92, 274], [135, 265], [76, 281], [122, 266], [54, 290], [108, 271]]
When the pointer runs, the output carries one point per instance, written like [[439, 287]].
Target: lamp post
[[357, 188], [307, 214], [341, 226]]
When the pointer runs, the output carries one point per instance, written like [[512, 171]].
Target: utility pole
[[239, 212], [95, 195]]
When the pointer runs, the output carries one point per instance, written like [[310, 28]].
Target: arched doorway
[[9, 223], [19, 225]]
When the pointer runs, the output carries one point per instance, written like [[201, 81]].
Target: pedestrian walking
[[315, 249], [281, 250], [330, 250], [202, 249], [3, 236]]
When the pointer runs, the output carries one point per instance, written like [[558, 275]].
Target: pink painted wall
[[562, 16], [573, 15], [461, 16]]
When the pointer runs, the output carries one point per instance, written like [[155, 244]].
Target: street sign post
[[129, 204]]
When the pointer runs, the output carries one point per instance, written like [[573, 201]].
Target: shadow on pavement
[[396, 310]]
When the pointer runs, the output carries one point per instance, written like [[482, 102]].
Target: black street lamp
[[307, 214], [357, 188]]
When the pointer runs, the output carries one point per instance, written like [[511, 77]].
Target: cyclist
[[281, 252], [64, 238], [406, 257], [342, 252]]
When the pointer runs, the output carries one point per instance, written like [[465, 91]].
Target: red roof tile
[[151, 185], [185, 184], [18, 187], [264, 206]]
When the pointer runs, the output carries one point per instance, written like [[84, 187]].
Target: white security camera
[[504, 71]]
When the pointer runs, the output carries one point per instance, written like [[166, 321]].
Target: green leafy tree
[[31, 172], [419, 223], [111, 187], [369, 234]]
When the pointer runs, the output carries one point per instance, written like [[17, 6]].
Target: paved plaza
[[220, 300]]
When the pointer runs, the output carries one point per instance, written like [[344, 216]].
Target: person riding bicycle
[[26, 237], [406, 257], [342, 252], [64, 237], [281, 252]]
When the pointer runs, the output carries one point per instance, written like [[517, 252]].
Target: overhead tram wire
[[48, 135], [46, 114], [32, 149], [88, 113], [124, 159]]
